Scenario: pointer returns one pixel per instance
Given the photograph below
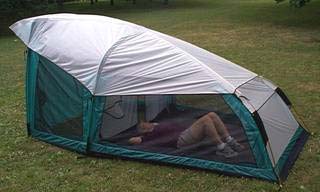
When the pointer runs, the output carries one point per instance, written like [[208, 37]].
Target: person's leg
[[204, 127], [219, 125], [224, 133]]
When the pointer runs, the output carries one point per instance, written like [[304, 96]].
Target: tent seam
[[108, 52], [193, 58], [246, 82], [248, 100]]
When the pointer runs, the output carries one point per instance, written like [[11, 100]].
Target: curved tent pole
[[105, 57]]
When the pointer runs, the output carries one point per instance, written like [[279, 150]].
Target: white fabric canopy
[[114, 57], [280, 125], [255, 92]]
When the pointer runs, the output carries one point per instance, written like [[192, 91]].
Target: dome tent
[[91, 79]]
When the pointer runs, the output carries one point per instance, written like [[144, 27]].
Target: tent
[[91, 79]]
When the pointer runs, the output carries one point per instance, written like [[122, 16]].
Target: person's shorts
[[186, 138]]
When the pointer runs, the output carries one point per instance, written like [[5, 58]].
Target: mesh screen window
[[183, 125], [58, 102]]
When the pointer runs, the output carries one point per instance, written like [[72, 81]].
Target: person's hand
[[135, 140], [145, 127]]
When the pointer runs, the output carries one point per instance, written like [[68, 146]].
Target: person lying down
[[209, 125]]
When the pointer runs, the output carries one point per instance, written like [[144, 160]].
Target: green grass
[[273, 40]]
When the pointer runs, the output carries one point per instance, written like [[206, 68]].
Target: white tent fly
[[92, 79]]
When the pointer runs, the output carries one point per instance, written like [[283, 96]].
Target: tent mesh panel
[[171, 115], [58, 102]]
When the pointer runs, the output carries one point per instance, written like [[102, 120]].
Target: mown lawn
[[273, 40]]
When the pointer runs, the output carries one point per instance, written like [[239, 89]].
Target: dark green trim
[[233, 169], [30, 89], [98, 104], [283, 96], [260, 126], [87, 118], [252, 131], [63, 142], [286, 153]]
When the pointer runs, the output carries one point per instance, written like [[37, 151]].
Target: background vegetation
[[273, 40]]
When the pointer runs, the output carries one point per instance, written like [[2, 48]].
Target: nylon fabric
[[154, 104], [31, 74], [139, 60], [267, 174], [120, 112], [255, 92], [232, 73], [279, 123], [287, 151], [63, 142], [251, 130], [59, 102], [62, 93], [98, 105]]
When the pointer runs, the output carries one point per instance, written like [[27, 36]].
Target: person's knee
[[213, 115], [206, 119]]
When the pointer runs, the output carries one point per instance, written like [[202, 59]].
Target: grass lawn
[[274, 40]]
